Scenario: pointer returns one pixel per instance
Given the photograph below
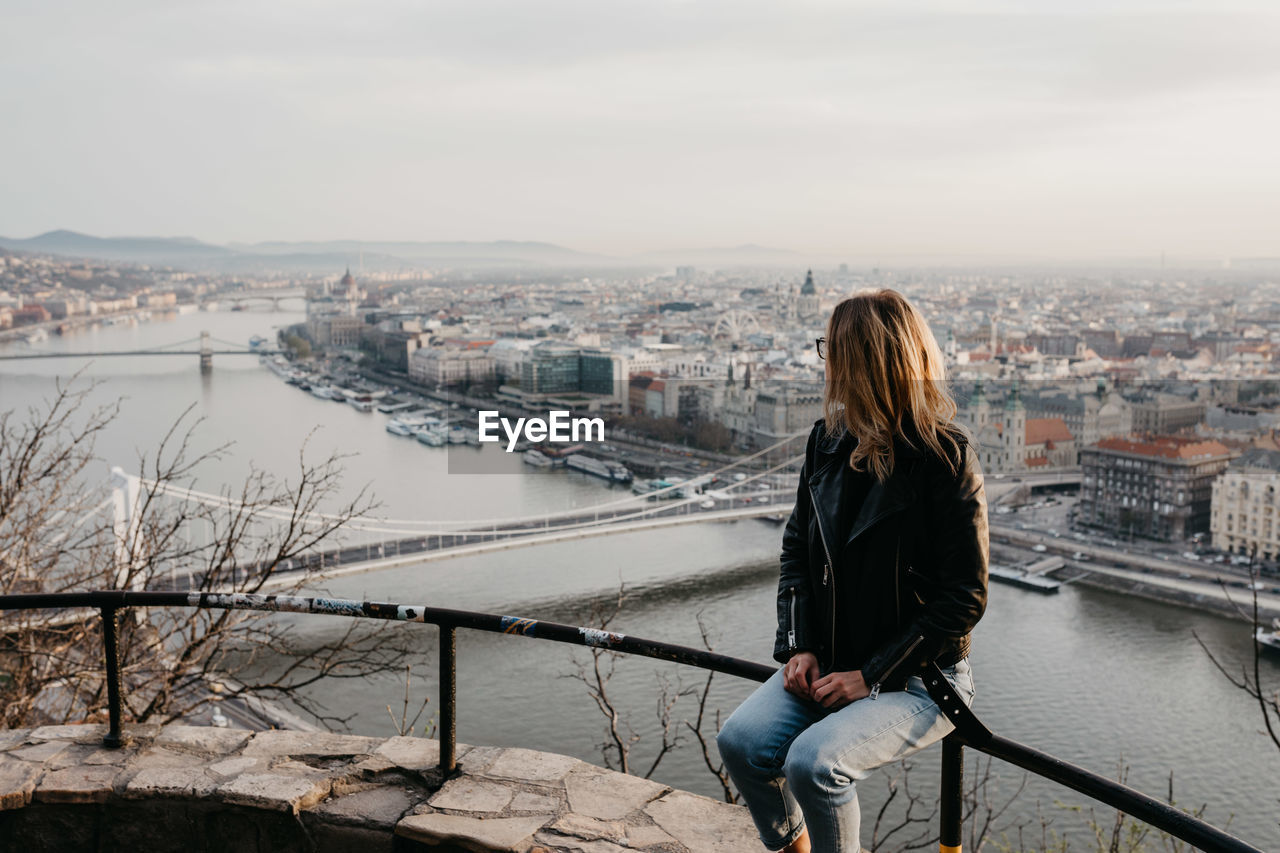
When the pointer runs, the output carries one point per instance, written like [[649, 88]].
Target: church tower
[[808, 305], [1015, 430]]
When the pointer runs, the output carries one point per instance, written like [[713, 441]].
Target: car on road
[[1038, 548], [708, 504]]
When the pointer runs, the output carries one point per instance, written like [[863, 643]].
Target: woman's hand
[[799, 674], [839, 689]]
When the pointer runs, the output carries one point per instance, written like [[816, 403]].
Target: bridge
[[206, 352], [274, 297], [390, 543]]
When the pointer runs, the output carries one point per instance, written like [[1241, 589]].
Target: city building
[[1160, 413], [1001, 434], [335, 330], [1246, 507], [1157, 487], [1048, 444], [1089, 417], [443, 367]]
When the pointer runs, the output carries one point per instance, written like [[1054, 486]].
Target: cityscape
[[1126, 421], [670, 427], [1155, 392]]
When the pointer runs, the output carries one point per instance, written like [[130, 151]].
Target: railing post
[[951, 806], [110, 649], [448, 699]]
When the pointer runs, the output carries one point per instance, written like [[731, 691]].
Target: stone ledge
[[284, 791]]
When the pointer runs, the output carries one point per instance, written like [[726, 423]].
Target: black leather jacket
[[883, 576]]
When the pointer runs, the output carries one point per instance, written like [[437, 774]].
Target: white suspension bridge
[[364, 544]]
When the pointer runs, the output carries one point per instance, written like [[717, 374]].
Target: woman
[[884, 571]]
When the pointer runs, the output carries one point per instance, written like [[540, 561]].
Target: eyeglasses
[[821, 345]]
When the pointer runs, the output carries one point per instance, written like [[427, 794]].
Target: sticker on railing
[[516, 625], [340, 606], [410, 614], [596, 637]]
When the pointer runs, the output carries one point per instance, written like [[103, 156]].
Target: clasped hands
[[802, 677]]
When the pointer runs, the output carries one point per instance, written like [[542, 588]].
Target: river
[[1093, 677]]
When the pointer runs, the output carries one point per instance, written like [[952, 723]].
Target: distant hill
[[153, 250], [321, 255], [304, 256], [494, 251]]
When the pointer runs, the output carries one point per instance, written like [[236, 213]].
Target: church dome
[[808, 288]]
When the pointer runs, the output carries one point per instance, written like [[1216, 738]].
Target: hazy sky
[[1055, 129]]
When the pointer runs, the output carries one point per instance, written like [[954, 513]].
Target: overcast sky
[[1050, 129]]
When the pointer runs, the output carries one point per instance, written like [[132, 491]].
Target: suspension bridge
[[204, 349], [366, 544]]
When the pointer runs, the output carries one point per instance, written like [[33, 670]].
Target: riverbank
[[1116, 570]]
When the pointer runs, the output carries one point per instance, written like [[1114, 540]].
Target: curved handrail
[[970, 732]]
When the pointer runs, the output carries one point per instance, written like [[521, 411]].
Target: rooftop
[[1166, 447]]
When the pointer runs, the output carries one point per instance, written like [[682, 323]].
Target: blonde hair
[[886, 378]]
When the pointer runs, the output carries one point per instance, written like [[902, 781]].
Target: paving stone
[[102, 755], [468, 794], [531, 765], [703, 824], [155, 756], [80, 733], [381, 807], [13, 737], [582, 826], [204, 740], [273, 791], [596, 792], [477, 759], [190, 781], [578, 845], [471, 833], [82, 784], [411, 753], [74, 755], [647, 835], [17, 782], [40, 752], [373, 765], [529, 801], [229, 768], [282, 742], [289, 767]]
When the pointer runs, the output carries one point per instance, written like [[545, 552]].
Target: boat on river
[[535, 458], [1269, 641], [605, 469], [432, 434]]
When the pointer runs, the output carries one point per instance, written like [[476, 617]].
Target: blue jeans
[[796, 763]]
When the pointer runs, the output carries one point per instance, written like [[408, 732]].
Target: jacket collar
[[882, 499]]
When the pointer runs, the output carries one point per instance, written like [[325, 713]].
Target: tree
[[1250, 677], [55, 537]]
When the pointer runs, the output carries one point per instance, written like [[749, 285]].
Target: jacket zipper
[[791, 625], [827, 574], [875, 688]]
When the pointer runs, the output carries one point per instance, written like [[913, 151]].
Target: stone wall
[[192, 788]]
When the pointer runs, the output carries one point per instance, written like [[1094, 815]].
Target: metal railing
[[969, 730]]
